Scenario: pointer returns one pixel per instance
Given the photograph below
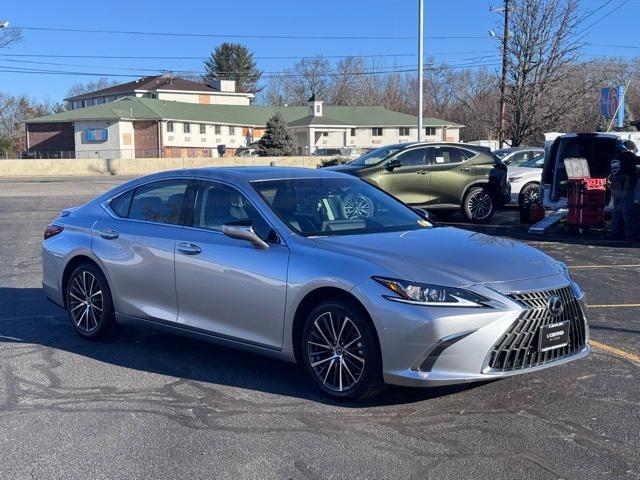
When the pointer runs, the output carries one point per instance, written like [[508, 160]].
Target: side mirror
[[393, 164], [244, 232]]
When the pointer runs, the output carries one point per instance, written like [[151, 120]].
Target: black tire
[[530, 192], [350, 368], [478, 205], [89, 304]]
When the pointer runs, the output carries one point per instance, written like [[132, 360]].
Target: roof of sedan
[[254, 173]]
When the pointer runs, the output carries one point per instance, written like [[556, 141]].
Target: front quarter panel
[[311, 268]]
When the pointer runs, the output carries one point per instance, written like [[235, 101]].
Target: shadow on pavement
[[27, 317], [506, 223]]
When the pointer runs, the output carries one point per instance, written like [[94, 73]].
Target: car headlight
[[433, 295], [577, 290]]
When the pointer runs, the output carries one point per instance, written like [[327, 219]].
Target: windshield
[[535, 162], [375, 156], [501, 153], [336, 206]]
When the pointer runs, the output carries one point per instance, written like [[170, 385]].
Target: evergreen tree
[[276, 141], [233, 61]]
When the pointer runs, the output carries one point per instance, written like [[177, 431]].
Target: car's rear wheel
[[340, 351], [479, 205], [89, 304], [530, 193]]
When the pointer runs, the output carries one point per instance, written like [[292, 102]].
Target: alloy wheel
[[480, 205], [531, 195], [357, 206], [86, 302], [336, 351]]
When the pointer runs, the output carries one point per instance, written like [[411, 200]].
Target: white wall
[[209, 139], [214, 98], [113, 147]]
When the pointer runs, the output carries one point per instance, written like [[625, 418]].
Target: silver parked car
[[316, 267]]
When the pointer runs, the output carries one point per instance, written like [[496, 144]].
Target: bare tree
[[542, 47], [14, 111], [9, 36], [295, 85], [99, 84]]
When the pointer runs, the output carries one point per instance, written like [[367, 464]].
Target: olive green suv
[[442, 177]]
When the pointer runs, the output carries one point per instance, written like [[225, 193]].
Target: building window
[[217, 129], [169, 127], [405, 131], [203, 129], [376, 132], [353, 132], [232, 130], [317, 108], [430, 131], [187, 127]]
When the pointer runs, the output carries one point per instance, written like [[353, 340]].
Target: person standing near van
[[624, 179]]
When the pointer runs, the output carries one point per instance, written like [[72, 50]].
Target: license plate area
[[552, 336]]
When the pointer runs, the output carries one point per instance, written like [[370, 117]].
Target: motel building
[[173, 117]]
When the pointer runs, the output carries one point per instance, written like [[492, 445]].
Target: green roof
[[310, 120], [136, 108]]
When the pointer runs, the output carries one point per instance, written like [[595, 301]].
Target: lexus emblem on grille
[[555, 306]]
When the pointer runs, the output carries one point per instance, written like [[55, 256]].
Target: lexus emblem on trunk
[[555, 306]]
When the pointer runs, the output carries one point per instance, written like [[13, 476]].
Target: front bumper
[[431, 346]]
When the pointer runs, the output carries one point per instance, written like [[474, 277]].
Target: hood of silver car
[[445, 256]]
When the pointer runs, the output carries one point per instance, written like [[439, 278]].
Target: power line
[[401, 69], [593, 12], [286, 57], [611, 12], [188, 72], [272, 37]]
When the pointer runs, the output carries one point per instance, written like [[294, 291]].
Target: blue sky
[[449, 18]]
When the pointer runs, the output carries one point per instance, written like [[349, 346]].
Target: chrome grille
[[518, 347]]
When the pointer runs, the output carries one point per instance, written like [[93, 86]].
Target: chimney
[[315, 106], [223, 85]]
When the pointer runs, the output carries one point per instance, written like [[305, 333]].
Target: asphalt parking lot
[[150, 405]]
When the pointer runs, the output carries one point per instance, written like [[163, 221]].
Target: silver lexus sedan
[[315, 267]]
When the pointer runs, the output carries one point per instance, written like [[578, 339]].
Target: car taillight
[[52, 231]]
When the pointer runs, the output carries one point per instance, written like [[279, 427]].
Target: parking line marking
[[616, 352], [584, 267], [619, 305]]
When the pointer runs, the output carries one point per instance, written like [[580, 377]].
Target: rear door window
[[159, 202], [446, 155]]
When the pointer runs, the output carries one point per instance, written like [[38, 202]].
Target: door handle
[[188, 248], [108, 234], [465, 169], [422, 172]]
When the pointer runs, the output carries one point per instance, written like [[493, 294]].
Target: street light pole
[[503, 81], [420, 66]]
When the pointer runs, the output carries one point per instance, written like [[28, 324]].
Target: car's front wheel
[[478, 205], [340, 351], [89, 304]]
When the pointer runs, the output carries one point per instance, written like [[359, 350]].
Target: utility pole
[[420, 66], [503, 81]]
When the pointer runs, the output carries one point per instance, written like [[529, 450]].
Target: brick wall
[[48, 137], [146, 135]]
